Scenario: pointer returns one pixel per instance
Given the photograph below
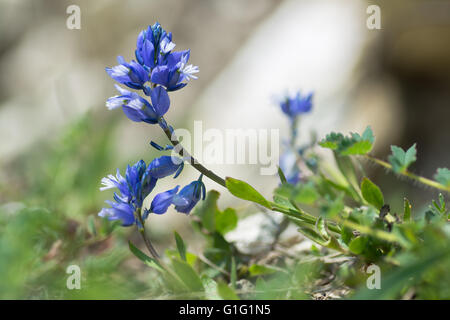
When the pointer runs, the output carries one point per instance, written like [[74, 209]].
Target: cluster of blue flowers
[[293, 107], [157, 71], [139, 182]]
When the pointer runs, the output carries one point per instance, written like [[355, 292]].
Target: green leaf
[[406, 210], [259, 270], [306, 194], [346, 235], [443, 176], [187, 274], [282, 176], [401, 160], [144, 258], [350, 145], [371, 193], [225, 292], [360, 147], [210, 288], [207, 211], [226, 220], [332, 207], [331, 242], [245, 191], [322, 229], [441, 206], [180, 246], [233, 273], [347, 168], [442, 201], [358, 244], [212, 218], [91, 225], [393, 283]]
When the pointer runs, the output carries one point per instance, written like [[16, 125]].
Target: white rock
[[255, 234]]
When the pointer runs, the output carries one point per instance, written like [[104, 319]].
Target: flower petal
[[160, 100]]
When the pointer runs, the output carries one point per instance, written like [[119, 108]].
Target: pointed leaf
[[245, 191], [144, 258], [180, 246], [406, 210], [401, 160], [188, 275]]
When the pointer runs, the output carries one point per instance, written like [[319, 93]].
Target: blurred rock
[[256, 234]]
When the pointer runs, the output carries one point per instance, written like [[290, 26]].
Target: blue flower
[[138, 183], [174, 70], [133, 188], [165, 166], [154, 52], [163, 200], [119, 211], [188, 197], [288, 164], [131, 74], [152, 45], [157, 70], [139, 109], [294, 106]]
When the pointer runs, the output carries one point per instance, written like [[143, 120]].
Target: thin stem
[[406, 173], [147, 241], [148, 244], [186, 155], [305, 217]]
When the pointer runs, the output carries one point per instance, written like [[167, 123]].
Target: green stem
[[305, 217], [186, 155], [406, 173], [147, 241]]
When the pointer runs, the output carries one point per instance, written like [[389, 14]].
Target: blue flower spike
[[296, 105], [157, 70]]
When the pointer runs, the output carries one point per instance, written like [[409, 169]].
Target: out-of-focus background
[[58, 139]]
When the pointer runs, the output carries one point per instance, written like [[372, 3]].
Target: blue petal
[[119, 211], [148, 54], [163, 200], [164, 166], [160, 100], [191, 193], [133, 114], [160, 75]]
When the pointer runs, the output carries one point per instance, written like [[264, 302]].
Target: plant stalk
[[186, 155], [406, 173], [147, 241]]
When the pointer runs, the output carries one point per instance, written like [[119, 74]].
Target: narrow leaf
[[180, 246], [144, 258], [406, 210], [282, 176], [188, 275], [245, 191]]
